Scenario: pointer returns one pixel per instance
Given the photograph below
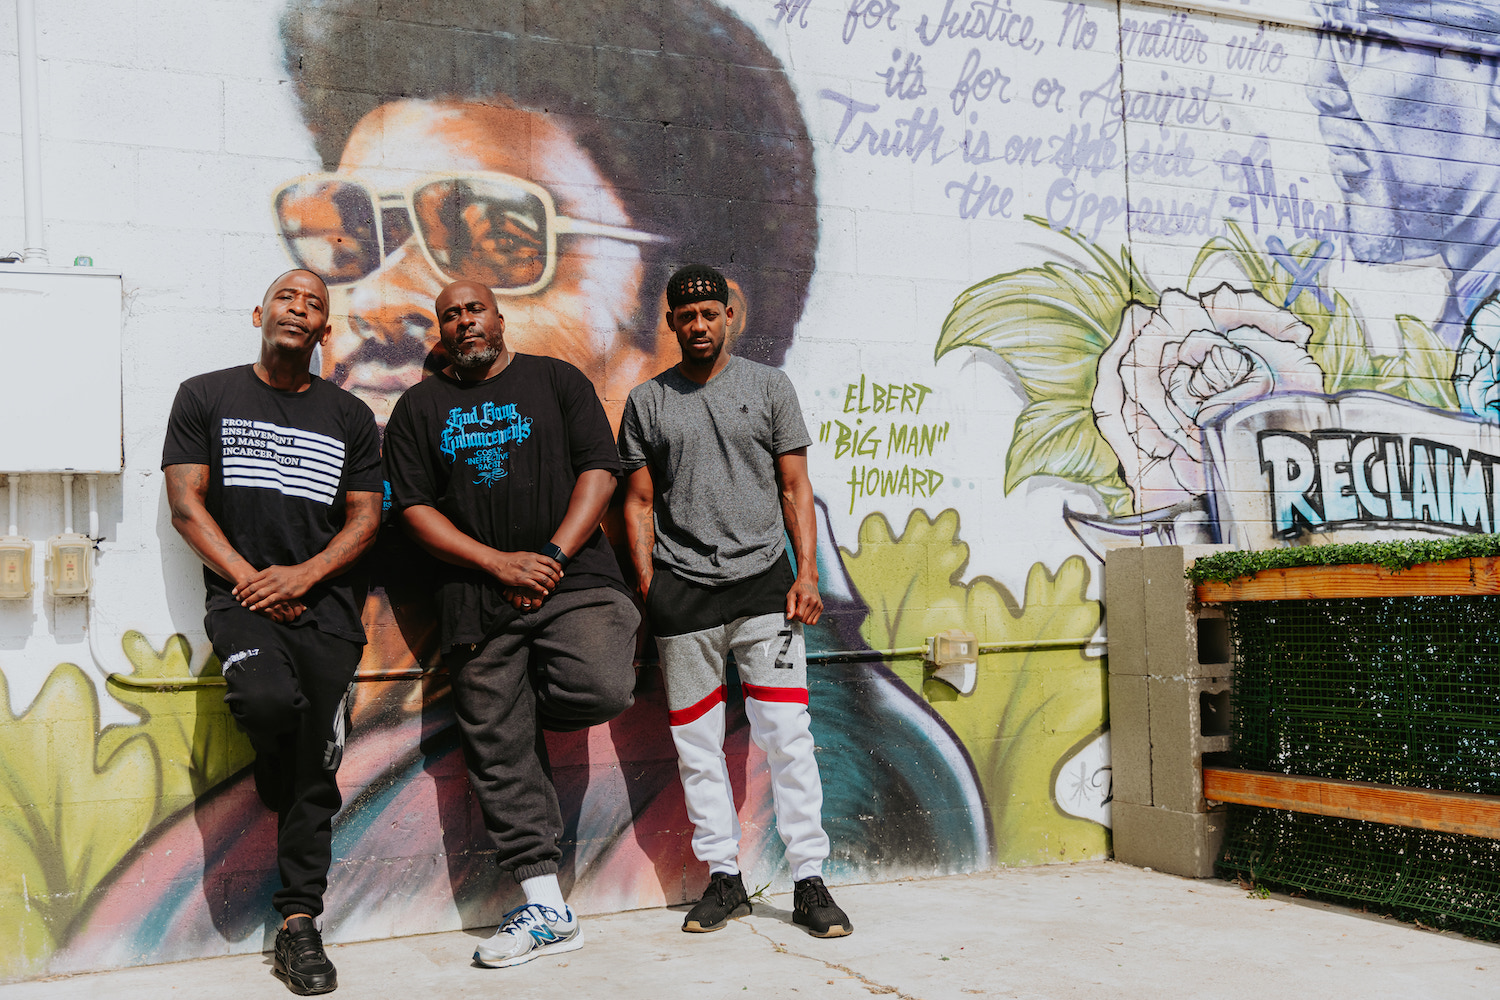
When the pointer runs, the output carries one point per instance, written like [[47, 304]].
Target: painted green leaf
[[73, 800], [1340, 350], [191, 728], [1307, 306], [1049, 323], [69, 810], [1259, 269], [1122, 271], [1213, 248], [1273, 282], [1028, 708], [1117, 497], [1423, 371], [1056, 437]]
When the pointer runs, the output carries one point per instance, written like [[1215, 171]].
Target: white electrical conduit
[[67, 481], [93, 509], [31, 133]]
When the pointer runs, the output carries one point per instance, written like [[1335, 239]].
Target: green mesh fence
[[1397, 690]]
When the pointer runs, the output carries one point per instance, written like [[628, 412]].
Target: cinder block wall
[[1169, 676], [963, 232]]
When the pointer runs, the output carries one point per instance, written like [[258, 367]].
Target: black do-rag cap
[[696, 283]]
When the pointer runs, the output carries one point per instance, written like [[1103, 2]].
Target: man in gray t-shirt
[[714, 449], [716, 453]]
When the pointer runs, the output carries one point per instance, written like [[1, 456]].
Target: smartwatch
[[553, 552]]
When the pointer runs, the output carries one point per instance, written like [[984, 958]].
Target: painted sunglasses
[[498, 230]]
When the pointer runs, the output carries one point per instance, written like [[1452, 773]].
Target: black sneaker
[[724, 898], [814, 908], [300, 961]]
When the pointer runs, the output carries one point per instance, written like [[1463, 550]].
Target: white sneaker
[[528, 932]]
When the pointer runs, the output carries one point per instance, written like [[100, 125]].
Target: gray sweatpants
[[565, 666]]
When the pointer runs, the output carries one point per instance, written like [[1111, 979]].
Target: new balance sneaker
[[528, 932], [724, 898], [814, 908], [300, 961]]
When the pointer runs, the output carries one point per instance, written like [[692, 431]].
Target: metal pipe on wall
[[31, 133]]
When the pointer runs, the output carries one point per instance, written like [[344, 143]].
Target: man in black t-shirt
[[273, 478], [501, 466]]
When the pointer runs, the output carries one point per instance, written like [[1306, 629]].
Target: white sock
[[719, 868], [545, 890]]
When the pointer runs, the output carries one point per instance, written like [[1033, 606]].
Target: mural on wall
[[431, 168], [1134, 323], [1139, 391], [1139, 379], [78, 800]]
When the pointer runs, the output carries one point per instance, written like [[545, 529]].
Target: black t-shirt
[[280, 466], [499, 459]]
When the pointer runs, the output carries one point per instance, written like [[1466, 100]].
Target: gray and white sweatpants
[[770, 654]]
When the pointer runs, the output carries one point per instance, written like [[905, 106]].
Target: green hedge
[[1222, 567]]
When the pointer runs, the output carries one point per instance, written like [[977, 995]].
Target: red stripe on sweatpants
[[796, 696], [682, 716]]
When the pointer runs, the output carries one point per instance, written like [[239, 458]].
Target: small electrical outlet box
[[70, 565], [954, 657], [15, 568]]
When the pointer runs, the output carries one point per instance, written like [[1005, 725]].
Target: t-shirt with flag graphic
[[280, 465]]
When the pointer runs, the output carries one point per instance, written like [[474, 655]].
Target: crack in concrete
[[883, 989]]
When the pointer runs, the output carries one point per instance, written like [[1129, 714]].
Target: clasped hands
[[528, 578], [276, 592]]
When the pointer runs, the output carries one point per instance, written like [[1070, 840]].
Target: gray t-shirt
[[712, 451]]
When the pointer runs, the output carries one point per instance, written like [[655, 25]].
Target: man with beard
[[501, 466], [1403, 93], [629, 138], [612, 131], [530, 153], [714, 446], [273, 478]]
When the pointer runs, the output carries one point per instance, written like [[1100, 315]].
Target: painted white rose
[[1172, 369]]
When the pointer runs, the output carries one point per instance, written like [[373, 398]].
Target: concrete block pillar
[[1169, 683]]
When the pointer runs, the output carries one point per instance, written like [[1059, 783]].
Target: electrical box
[[60, 346], [15, 568], [70, 561], [954, 658]]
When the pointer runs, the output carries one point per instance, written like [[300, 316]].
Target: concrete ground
[[1095, 929]]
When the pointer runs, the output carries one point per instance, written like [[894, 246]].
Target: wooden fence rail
[[1422, 808]]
